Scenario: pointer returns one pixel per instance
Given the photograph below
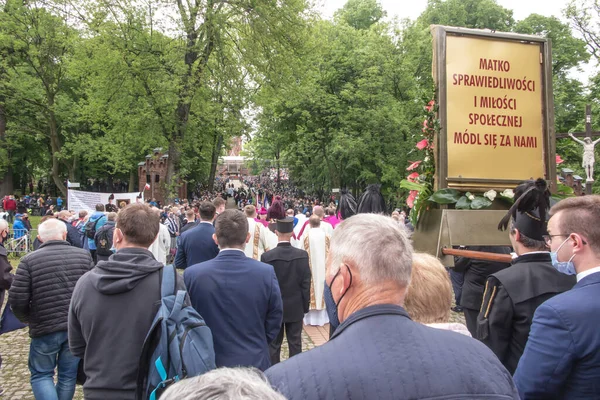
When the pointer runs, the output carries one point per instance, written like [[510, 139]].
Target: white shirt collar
[[230, 249], [583, 274], [206, 222]]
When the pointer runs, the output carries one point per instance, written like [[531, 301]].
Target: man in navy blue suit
[[197, 245], [238, 297], [377, 351], [562, 355]]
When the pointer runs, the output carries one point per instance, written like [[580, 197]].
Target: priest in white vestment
[[325, 226], [316, 243], [259, 235]]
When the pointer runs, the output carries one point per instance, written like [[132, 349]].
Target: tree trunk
[[132, 181], [214, 160], [55, 148], [6, 185]]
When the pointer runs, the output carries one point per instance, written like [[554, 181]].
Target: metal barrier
[[20, 241]]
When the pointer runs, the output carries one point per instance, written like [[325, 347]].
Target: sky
[[521, 9], [413, 8]]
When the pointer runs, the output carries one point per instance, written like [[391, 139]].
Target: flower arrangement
[[420, 182]]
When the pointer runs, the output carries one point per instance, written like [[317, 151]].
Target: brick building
[[153, 171]]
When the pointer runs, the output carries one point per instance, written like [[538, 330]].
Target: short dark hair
[[580, 215], [139, 224], [538, 245], [218, 202], [207, 211], [231, 228], [99, 207]]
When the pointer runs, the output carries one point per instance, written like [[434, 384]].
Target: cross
[[588, 134]]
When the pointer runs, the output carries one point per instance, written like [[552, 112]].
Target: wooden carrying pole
[[477, 255]]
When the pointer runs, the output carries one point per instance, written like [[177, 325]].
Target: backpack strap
[[168, 285]]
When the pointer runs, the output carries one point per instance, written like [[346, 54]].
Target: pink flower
[[559, 160], [413, 165], [422, 144], [413, 177], [412, 195], [430, 105]]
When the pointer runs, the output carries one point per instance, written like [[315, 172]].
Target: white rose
[[508, 193], [490, 194], [470, 196], [426, 159]]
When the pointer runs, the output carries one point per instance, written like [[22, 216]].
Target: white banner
[[79, 200]]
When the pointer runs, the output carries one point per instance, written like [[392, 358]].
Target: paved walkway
[[14, 376]]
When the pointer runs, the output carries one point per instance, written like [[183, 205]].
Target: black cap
[[530, 209], [285, 225], [111, 197], [531, 225]]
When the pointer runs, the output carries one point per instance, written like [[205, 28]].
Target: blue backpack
[[178, 345]]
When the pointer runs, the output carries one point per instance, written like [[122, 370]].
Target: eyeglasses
[[548, 238]]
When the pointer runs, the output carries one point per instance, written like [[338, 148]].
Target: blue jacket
[[240, 301], [97, 215], [562, 355], [19, 229], [379, 353], [196, 245]]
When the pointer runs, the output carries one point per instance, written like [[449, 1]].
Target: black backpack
[[90, 228], [103, 242]]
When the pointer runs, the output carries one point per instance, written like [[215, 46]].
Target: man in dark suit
[[378, 352], [562, 355], [238, 297], [293, 274], [513, 294], [197, 245]]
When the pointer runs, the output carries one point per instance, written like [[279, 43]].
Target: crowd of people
[[259, 267]]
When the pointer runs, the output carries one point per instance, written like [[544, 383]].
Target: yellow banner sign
[[494, 109]]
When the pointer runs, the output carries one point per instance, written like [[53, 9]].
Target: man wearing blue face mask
[[377, 351], [562, 355], [513, 294]]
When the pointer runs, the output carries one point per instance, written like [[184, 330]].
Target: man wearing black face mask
[[6, 277], [377, 351]]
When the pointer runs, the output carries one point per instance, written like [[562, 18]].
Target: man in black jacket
[[476, 273], [73, 236], [40, 296], [113, 307], [294, 276], [512, 295]]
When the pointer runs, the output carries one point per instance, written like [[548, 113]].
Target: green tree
[[361, 14]]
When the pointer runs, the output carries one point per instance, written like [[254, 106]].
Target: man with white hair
[[377, 351], [40, 296], [224, 384]]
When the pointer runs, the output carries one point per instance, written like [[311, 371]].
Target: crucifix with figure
[[588, 147]]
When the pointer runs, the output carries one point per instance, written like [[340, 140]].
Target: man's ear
[[247, 237], [517, 235], [117, 236], [214, 236]]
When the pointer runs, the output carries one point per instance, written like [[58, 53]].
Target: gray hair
[[224, 384], [111, 216], [377, 245], [52, 229]]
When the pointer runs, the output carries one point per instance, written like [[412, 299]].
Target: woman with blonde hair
[[429, 296]]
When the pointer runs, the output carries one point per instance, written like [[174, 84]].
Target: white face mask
[[565, 267]]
